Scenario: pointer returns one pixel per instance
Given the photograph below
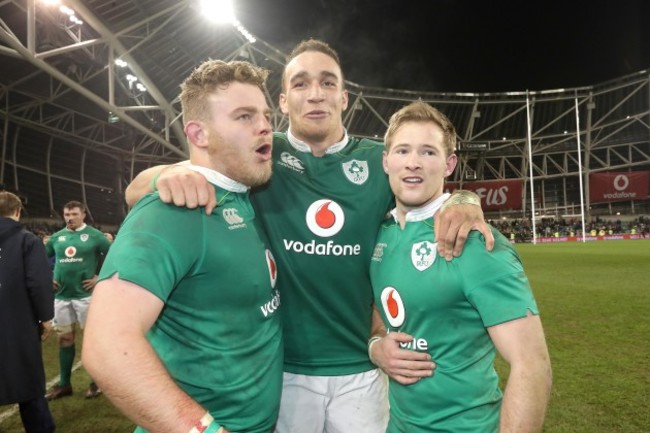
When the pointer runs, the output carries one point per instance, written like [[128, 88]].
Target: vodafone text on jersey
[[324, 218]]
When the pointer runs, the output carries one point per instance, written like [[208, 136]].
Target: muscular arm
[[522, 344], [460, 214], [175, 184], [404, 366], [141, 185], [123, 363]]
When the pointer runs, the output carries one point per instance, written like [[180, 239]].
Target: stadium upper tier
[[87, 104]]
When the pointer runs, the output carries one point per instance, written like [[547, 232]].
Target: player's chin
[[261, 175]]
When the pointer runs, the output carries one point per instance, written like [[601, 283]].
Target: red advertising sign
[[495, 194], [609, 187]]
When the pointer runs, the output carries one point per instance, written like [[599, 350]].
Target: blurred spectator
[[26, 310]]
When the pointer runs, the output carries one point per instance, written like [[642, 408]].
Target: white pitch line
[[14, 408]]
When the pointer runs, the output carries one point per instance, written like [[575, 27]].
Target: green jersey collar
[[216, 178], [423, 212], [81, 227], [301, 146]]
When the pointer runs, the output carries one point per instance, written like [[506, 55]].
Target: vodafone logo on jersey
[[325, 218], [273, 268], [70, 253], [393, 306]]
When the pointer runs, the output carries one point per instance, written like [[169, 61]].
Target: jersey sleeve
[[496, 283], [49, 247], [104, 244], [157, 246]]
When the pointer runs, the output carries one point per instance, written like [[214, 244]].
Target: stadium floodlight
[[66, 10], [219, 11], [121, 63], [140, 87], [250, 38]]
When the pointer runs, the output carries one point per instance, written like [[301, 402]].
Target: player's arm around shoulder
[[522, 344], [175, 184]]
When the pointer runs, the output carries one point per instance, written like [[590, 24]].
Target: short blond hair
[[211, 76], [419, 111], [9, 202]]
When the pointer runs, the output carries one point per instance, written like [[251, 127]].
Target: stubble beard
[[235, 166]]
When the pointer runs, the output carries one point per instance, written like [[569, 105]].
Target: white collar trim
[[216, 178], [81, 227], [301, 146], [424, 212]]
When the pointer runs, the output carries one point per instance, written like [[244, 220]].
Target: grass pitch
[[594, 300]]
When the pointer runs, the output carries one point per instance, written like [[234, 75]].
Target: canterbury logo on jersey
[[378, 252], [290, 161], [324, 218], [395, 313], [356, 171], [233, 219]]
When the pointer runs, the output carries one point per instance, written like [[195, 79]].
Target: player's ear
[[452, 160], [196, 134], [283, 104], [384, 160]]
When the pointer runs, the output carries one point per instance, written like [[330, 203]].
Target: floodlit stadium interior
[[88, 98]]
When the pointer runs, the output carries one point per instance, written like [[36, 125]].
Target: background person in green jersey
[[457, 311], [320, 211], [77, 250], [26, 311], [184, 332]]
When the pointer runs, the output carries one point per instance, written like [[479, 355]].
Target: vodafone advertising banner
[[495, 194], [608, 187]]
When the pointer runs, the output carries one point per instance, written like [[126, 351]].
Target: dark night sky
[[465, 45]]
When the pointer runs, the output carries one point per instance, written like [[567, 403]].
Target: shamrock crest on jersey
[[423, 254], [356, 171]]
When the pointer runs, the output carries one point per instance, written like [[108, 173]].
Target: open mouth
[[413, 180], [264, 150]]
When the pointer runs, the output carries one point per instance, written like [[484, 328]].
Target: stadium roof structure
[[88, 102]]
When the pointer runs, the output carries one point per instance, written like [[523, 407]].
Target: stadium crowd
[[521, 230]]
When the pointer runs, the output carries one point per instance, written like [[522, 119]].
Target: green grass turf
[[594, 300]]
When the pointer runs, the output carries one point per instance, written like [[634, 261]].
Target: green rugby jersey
[[76, 254], [446, 307], [219, 334], [321, 215]]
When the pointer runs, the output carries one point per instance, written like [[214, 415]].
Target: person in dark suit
[[26, 311]]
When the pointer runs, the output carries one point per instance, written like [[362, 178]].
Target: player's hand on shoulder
[[184, 187], [404, 366], [452, 226]]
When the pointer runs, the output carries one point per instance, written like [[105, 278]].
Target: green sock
[[66, 359]]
